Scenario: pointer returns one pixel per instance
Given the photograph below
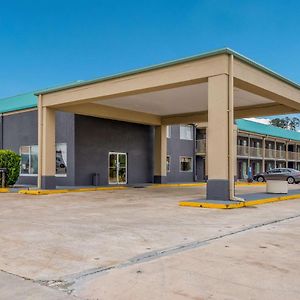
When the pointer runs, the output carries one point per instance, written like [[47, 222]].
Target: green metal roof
[[175, 62], [19, 102], [24, 101], [268, 130]]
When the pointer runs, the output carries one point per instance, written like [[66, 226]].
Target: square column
[[160, 154], [47, 149], [221, 144]]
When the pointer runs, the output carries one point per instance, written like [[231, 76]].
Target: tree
[[286, 123]]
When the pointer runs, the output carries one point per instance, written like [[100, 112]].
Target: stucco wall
[[176, 148], [95, 138], [21, 130]]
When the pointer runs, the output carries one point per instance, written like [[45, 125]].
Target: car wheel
[[260, 179], [291, 180]]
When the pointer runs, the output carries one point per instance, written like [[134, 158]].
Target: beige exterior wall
[[48, 142], [160, 151], [217, 130]]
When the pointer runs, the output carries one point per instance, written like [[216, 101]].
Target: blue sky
[[47, 43]]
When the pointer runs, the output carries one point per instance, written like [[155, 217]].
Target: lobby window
[[169, 132], [186, 132], [186, 164], [61, 159], [168, 161], [29, 160]]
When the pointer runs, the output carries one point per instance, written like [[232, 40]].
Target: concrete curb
[[49, 192], [238, 204]]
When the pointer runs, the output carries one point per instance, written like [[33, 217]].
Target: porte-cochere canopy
[[215, 87]]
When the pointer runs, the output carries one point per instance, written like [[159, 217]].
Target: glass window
[[34, 159], [61, 159], [29, 159], [25, 159], [169, 131], [186, 132], [168, 163], [186, 164]]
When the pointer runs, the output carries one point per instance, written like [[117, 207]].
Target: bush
[[11, 161]]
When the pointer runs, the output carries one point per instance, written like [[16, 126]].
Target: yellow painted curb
[[49, 192], [250, 184], [238, 204], [4, 190], [42, 192]]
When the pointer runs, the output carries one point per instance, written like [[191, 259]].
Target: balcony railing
[[280, 154], [293, 155], [276, 154], [201, 146], [256, 152], [270, 153], [243, 151]]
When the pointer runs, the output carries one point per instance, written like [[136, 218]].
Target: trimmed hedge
[[11, 161]]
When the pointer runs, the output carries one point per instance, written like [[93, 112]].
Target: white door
[[117, 168]]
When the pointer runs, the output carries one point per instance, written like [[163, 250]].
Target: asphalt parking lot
[[139, 244]]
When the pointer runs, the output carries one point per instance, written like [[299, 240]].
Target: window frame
[[168, 164], [192, 132], [36, 174], [29, 161], [169, 131], [192, 163], [66, 162]]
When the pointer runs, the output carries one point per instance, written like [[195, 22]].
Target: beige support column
[[160, 154], [40, 137], [220, 139], [286, 153], [235, 140], [264, 154], [275, 146], [48, 149]]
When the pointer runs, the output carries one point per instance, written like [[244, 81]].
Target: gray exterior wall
[[89, 140], [95, 138], [21, 129], [176, 148]]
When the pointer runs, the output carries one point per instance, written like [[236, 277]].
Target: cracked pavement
[[138, 243]]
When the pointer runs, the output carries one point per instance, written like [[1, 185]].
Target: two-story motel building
[[117, 126]]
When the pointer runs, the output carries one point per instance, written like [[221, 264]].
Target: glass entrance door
[[117, 168]]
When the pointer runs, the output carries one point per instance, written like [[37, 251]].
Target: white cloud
[[259, 120]]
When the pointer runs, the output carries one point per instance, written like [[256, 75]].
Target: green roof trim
[[175, 62], [19, 102], [23, 101], [269, 130]]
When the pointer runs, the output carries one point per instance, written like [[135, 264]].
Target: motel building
[[135, 127]]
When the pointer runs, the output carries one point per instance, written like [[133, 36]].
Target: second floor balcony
[[254, 152]]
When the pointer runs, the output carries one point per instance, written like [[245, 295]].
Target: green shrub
[[11, 161]]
